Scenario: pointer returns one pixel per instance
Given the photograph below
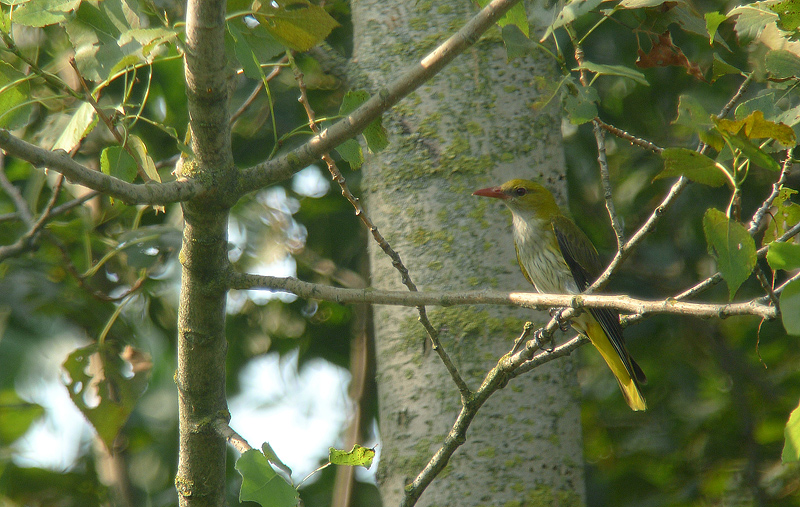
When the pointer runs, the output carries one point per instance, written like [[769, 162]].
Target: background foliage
[[102, 276]]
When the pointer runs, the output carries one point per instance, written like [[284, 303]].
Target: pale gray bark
[[469, 127]]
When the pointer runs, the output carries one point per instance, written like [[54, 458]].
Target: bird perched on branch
[[557, 258]]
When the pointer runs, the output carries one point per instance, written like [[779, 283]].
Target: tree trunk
[[204, 259], [470, 127]]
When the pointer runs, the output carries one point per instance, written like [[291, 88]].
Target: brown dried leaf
[[664, 54]]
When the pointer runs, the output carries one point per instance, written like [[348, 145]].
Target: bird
[[557, 257]]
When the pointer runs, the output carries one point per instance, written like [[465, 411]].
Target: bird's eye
[[520, 191]]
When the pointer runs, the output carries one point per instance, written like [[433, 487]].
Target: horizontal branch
[[59, 161], [285, 166], [521, 299]]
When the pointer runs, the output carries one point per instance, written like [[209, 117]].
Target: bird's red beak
[[491, 192]]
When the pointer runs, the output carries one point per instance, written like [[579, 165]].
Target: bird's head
[[524, 198]]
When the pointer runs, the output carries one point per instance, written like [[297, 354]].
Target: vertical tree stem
[[201, 314]]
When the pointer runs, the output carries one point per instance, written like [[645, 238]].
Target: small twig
[[337, 176], [260, 86], [81, 280], [238, 442], [23, 210], [766, 285], [602, 160], [761, 213], [28, 240], [637, 141]]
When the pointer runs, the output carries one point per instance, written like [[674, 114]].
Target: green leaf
[[764, 102], [375, 135], [791, 446], [352, 100], [297, 24], [784, 256], [82, 122], [5, 22], [790, 308], [100, 389], [721, 68], [144, 159], [95, 33], [39, 13], [351, 152], [695, 166], [261, 484], [713, 20], [753, 153], [16, 416], [732, 246], [358, 456], [614, 70], [785, 215], [517, 44], [516, 16], [15, 91], [782, 64], [751, 19], [116, 161], [692, 114], [690, 21], [640, 4], [788, 14], [243, 52], [580, 103], [569, 13]]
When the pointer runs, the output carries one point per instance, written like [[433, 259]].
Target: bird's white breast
[[540, 256]]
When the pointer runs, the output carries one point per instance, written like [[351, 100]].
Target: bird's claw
[[556, 313]]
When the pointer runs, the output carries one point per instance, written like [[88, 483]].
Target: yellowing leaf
[[358, 456], [754, 126], [297, 24]]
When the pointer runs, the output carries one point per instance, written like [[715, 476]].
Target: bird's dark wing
[[585, 266]]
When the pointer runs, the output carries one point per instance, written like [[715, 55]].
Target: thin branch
[[257, 90], [23, 211], [761, 213], [405, 276], [60, 161], [285, 166], [532, 300], [602, 160], [54, 81], [672, 195], [637, 141], [28, 240]]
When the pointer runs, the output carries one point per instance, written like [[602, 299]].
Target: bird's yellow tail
[[629, 387]]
